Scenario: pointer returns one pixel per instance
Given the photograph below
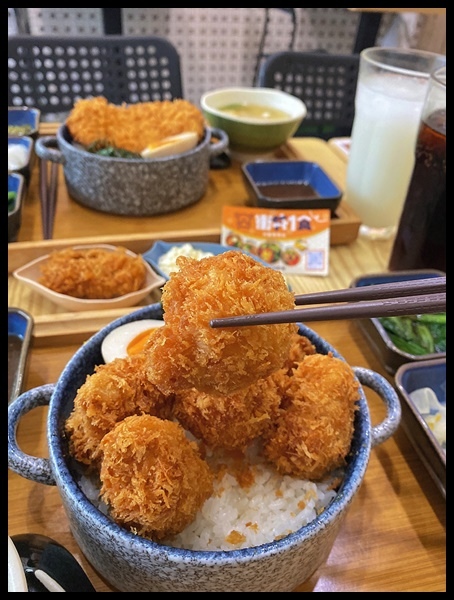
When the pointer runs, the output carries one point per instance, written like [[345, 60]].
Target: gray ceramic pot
[[134, 564], [134, 187]]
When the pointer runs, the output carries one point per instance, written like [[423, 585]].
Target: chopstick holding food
[[377, 302]]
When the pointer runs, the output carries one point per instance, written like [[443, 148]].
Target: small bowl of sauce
[[290, 184]]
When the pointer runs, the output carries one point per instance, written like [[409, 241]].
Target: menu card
[[295, 242]]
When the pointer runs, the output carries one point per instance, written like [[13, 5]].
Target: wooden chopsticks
[[48, 196], [387, 299]]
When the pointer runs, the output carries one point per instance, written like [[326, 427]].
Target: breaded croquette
[[187, 352], [153, 478], [229, 422], [93, 273], [114, 391], [313, 432]]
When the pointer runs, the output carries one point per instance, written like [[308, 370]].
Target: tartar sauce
[[167, 262]]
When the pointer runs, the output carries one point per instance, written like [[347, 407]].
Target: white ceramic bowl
[[251, 136], [30, 275], [131, 563]]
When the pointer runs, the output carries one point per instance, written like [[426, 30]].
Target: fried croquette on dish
[[153, 478], [312, 434], [132, 127], [114, 391], [229, 422], [93, 273], [187, 352]]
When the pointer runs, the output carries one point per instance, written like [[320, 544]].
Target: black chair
[[51, 72], [325, 82]]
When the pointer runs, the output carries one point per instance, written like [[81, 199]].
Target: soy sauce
[[420, 241], [288, 191]]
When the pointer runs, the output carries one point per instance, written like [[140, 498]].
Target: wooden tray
[[226, 187]]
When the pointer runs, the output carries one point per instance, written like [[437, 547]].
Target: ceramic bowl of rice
[[269, 536]]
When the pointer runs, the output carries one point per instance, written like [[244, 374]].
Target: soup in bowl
[[256, 120]]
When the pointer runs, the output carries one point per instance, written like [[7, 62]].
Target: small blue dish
[[16, 186], [409, 378], [14, 166], [23, 120], [20, 328], [290, 184], [390, 355], [159, 248]]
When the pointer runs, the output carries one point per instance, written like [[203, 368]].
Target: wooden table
[[394, 536]]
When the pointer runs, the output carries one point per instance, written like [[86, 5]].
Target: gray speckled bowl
[[134, 187], [134, 564]]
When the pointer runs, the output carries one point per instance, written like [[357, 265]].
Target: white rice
[[237, 517]]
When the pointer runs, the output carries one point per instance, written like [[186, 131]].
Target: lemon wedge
[[175, 144]]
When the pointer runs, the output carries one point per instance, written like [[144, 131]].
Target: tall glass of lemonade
[[392, 86]]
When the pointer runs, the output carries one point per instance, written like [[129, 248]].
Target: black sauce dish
[[290, 184]]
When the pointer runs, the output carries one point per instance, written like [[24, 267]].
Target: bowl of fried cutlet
[[214, 459], [141, 159]]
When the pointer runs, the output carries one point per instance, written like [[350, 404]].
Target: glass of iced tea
[[420, 242]]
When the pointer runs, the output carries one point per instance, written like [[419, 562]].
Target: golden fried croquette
[[300, 347], [229, 422], [132, 127], [153, 478], [114, 391], [187, 352], [313, 432], [93, 273]]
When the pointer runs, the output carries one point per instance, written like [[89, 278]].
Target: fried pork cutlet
[[132, 127]]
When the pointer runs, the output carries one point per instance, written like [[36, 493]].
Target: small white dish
[[30, 275], [17, 581]]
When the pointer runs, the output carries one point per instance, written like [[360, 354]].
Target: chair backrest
[[51, 72], [325, 82]]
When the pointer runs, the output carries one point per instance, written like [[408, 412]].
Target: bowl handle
[[46, 147], [221, 143], [30, 467], [376, 382]]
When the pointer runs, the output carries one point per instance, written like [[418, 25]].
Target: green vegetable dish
[[417, 334]]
